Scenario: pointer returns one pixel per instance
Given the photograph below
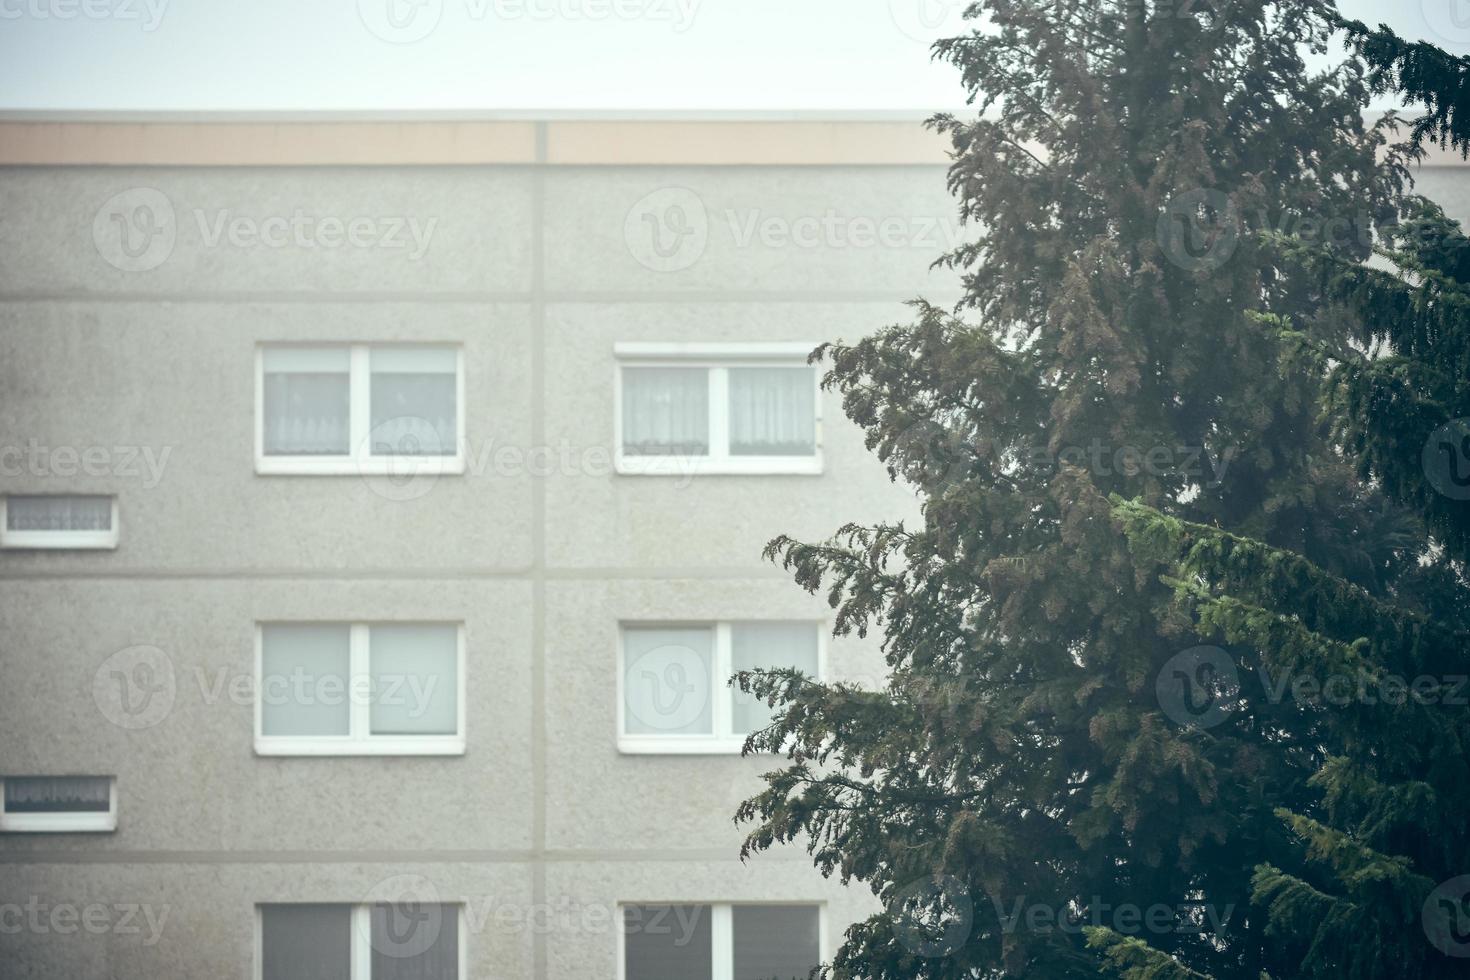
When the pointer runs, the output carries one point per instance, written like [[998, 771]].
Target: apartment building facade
[[382, 512], [383, 508]]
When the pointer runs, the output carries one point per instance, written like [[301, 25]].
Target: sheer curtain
[[780, 941], [306, 942], [666, 680], [415, 672], [295, 659], [58, 794], [415, 941], [58, 513], [764, 646], [413, 401], [772, 412], [306, 408], [665, 411]]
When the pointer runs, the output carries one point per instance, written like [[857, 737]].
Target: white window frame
[[722, 931], [723, 740], [72, 540], [61, 823], [718, 359], [359, 461], [359, 741], [361, 955]]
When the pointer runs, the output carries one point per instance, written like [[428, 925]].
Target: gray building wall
[[541, 827]]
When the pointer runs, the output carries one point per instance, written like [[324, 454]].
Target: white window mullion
[[362, 942], [721, 705], [360, 401], [359, 676], [719, 413], [722, 942]]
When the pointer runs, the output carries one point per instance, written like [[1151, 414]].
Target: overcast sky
[[511, 54]]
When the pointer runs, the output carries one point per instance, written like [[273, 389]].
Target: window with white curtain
[[360, 689], [58, 804], [379, 941], [717, 408], [58, 521], [720, 942], [673, 691], [359, 408]]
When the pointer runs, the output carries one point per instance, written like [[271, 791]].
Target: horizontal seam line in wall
[[389, 575], [692, 296], [373, 857]]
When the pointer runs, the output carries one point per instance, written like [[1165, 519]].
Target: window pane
[[415, 941], [773, 412], [415, 671], [306, 406], [413, 401], [58, 794], [778, 941], [667, 677], [303, 684], [58, 513], [666, 411], [667, 942], [767, 645], [306, 942]]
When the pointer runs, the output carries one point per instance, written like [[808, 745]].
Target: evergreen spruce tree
[[1380, 884], [1028, 768]]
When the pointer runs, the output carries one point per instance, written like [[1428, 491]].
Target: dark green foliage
[[1423, 73], [1020, 758]]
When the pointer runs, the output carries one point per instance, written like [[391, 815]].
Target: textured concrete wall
[[536, 273]]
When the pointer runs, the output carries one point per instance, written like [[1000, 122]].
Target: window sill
[[58, 540], [400, 466], [58, 823], [385, 745], [732, 466], [680, 744]]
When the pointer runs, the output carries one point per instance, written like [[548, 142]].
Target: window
[[359, 689], [720, 942], [381, 941], [717, 408], [359, 409], [58, 521], [58, 804], [674, 696]]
